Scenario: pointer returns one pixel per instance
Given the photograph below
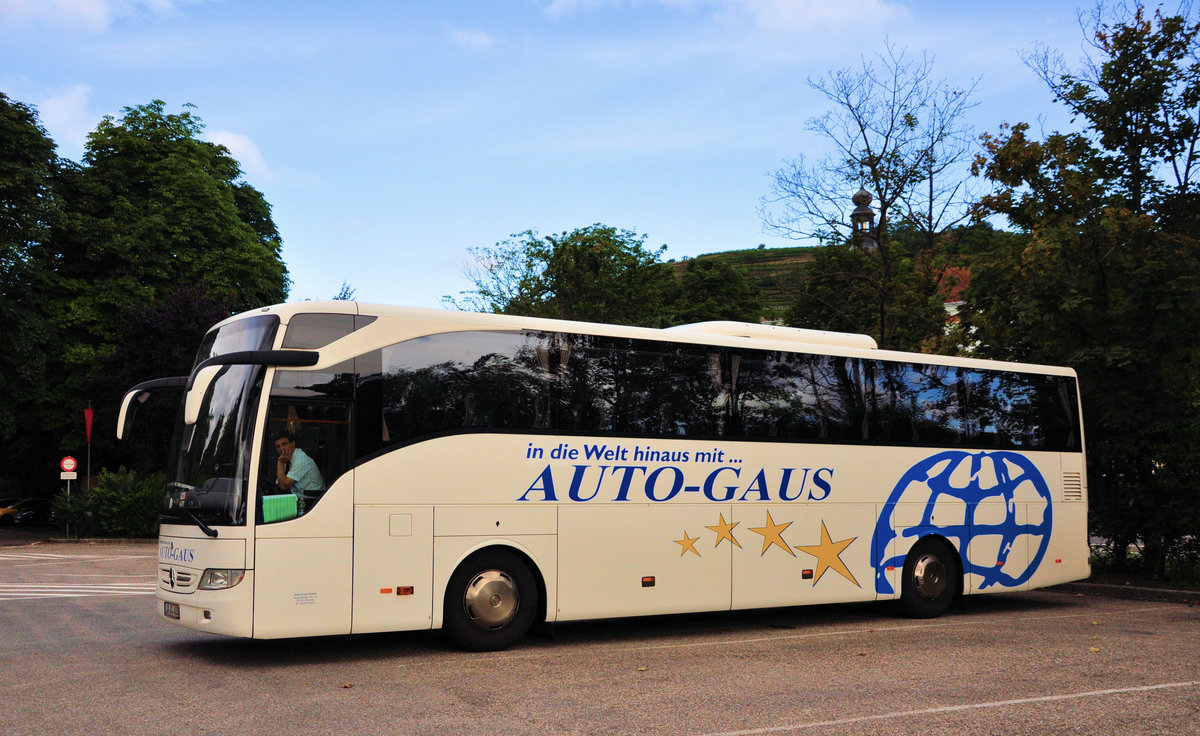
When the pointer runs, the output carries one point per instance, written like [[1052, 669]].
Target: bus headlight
[[220, 579]]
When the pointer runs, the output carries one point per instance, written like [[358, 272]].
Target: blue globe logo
[[971, 498]]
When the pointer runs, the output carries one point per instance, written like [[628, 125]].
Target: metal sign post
[[68, 465]]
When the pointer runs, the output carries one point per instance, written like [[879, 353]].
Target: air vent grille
[[1072, 486]]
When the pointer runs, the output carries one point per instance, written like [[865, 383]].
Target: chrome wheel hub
[[929, 577], [491, 600]]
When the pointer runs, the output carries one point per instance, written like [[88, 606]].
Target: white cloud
[[559, 8], [246, 152], [88, 16], [85, 15], [68, 118], [791, 15], [472, 39], [775, 15]]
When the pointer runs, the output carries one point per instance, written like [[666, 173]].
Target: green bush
[[122, 504], [1182, 565]]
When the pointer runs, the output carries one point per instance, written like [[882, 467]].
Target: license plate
[[171, 610]]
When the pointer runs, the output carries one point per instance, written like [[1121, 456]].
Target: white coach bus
[[481, 473]]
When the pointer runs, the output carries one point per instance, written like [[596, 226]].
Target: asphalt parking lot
[[19, 535], [84, 652]]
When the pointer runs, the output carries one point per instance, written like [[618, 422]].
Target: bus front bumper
[[229, 611]]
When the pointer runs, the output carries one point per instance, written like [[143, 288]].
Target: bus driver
[[295, 471]]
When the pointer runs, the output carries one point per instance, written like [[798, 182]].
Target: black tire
[[931, 579], [491, 601]]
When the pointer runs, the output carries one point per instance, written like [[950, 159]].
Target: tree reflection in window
[[588, 384]]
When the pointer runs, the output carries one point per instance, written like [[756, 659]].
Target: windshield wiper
[[200, 523]]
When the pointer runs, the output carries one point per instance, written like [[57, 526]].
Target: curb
[[1190, 597]]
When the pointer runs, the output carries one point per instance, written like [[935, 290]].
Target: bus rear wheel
[[491, 601], [930, 581]]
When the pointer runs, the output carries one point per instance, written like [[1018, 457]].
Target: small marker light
[[648, 581]]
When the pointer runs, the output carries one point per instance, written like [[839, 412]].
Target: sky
[[391, 137]]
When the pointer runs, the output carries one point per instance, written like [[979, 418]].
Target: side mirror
[[201, 382], [209, 370], [139, 394], [125, 419]]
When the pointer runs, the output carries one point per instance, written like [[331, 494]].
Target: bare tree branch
[[894, 129]]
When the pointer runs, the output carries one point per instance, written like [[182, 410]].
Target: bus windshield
[[207, 481]]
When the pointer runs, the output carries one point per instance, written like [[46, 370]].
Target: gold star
[[828, 554], [772, 533], [687, 544], [724, 530]]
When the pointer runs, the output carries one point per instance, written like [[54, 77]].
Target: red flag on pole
[[87, 422]]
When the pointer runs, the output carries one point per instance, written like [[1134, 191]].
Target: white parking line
[[932, 624], [30, 591], [735, 641], [957, 708], [39, 559]]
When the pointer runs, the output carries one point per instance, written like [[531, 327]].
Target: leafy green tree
[[1104, 278], [154, 206], [898, 131], [602, 274], [28, 166], [712, 289], [155, 340], [151, 208], [158, 219], [597, 273], [29, 208], [845, 289], [1140, 105]]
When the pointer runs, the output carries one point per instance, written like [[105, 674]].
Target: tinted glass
[[254, 333], [210, 472], [316, 330], [585, 384]]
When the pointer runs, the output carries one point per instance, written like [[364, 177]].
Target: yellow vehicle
[[24, 511]]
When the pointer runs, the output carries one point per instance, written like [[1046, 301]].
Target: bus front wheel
[[930, 579], [491, 601]]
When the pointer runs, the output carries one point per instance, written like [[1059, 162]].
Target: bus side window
[[321, 433]]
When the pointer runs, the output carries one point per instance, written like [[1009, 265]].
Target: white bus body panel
[[1060, 564], [605, 551], [184, 553], [803, 537], [304, 569], [767, 575], [302, 587], [393, 552]]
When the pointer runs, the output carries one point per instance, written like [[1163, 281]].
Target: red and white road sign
[[68, 464]]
